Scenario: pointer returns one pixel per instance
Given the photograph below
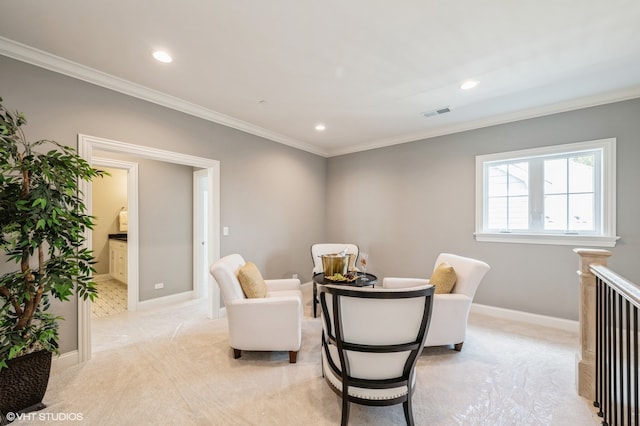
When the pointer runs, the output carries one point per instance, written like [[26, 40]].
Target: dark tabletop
[[373, 280]]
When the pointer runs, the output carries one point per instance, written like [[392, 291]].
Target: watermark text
[[44, 417]]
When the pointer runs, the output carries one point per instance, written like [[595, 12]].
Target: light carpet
[[175, 367]]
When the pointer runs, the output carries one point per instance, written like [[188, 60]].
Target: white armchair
[[450, 311], [272, 323]]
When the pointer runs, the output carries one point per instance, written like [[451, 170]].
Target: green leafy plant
[[42, 224]]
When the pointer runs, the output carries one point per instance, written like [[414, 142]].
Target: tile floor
[[112, 299]]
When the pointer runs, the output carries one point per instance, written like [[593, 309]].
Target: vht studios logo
[[44, 417]]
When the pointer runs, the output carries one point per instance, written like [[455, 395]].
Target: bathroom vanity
[[118, 250]]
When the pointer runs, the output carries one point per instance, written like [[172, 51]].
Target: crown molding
[[556, 108], [42, 59]]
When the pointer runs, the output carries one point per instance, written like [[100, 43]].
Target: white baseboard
[[535, 319], [65, 360], [166, 300]]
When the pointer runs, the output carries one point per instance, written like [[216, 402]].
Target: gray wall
[[272, 196], [404, 204], [407, 203], [165, 197]]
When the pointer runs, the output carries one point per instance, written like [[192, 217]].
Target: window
[[563, 194]]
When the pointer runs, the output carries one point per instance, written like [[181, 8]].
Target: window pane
[[508, 196], [555, 212], [581, 212], [518, 213], [581, 173], [497, 182], [519, 178], [497, 213], [555, 176]]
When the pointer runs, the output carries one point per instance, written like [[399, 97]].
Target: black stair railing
[[616, 353]]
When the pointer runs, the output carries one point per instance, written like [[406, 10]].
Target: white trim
[[526, 317], [198, 229], [213, 190], [164, 301], [103, 144], [565, 240], [133, 284], [549, 150], [64, 361], [86, 145]]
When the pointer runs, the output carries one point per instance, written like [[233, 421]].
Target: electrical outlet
[[158, 286], [294, 276]]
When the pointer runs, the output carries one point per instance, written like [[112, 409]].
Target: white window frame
[[606, 238]]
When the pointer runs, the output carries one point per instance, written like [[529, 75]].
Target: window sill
[[565, 240]]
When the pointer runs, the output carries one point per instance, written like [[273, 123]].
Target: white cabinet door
[[118, 260]]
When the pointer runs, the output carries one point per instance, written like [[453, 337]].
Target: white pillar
[[586, 359]]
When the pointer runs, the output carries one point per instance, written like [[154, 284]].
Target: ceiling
[[367, 69]]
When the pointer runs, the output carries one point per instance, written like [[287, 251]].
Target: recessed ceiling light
[[320, 127], [162, 56], [469, 84]]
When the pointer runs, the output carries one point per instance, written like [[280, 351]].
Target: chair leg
[[345, 412], [293, 357], [458, 346], [315, 300], [408, 412], [236, 353]]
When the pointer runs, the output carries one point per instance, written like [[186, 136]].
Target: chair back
[[469, 272], [372, 338], [319, 249], [225, 274]]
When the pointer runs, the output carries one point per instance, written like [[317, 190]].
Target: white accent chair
[[450, 311], [371, 340], [317, 250], [272, 323]]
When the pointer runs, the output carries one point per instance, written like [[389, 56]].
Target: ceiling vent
[[438, 111]]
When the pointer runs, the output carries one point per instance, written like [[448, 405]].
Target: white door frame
[[86, 145], [199, 240], [133, 294]]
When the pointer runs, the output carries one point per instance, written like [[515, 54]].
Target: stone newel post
[[585, 372]]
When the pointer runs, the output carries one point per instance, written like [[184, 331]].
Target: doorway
[[110, 237], [210, 174]]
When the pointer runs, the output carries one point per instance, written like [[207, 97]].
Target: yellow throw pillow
[[443, 278], [251, 281]]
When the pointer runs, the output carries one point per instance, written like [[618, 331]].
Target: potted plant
[[42, 224]]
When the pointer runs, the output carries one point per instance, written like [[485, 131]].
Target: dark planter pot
[[24, 383]]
